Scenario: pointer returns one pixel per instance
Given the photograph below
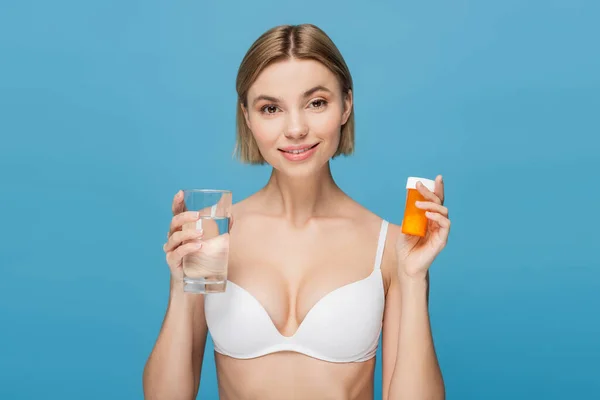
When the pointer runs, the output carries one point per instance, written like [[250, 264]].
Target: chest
[[290, 271]]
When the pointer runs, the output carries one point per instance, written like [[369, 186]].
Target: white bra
[[343, 326]]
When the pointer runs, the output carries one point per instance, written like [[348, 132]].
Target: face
[[295, 110]]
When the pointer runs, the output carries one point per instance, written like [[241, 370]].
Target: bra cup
[[238, 322], [345, 325]]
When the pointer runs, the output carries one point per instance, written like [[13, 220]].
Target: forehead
[[292, 77]]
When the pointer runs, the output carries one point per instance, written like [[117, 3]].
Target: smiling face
[[295, 110]]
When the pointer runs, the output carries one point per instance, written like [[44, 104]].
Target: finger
[[431, 206], [442, 221], [428, 194], [183, 218], [439, 188], [174, 257], [178, 205], [179, 237]]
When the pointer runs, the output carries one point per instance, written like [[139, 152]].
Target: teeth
[[298, 151]]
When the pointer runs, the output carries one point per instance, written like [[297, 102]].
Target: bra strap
[[381, 244]]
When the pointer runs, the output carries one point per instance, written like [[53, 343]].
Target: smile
[[298, 153]]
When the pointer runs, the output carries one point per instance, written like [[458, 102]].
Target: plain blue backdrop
[[107, 108]]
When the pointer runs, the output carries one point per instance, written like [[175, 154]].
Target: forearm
[[169, 372], [417, 373]]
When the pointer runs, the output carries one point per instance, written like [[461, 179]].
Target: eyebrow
[[308, 93]]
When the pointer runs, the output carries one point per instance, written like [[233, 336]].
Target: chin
[[300, 171]]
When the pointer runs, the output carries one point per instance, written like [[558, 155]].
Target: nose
[[296, 127]]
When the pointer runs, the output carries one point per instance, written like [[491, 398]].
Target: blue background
[[107, 108]]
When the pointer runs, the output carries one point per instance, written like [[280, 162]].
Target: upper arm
[[391, 329], [200, 327], [199, 340], [392, 311]]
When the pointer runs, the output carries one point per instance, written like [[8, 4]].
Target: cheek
[[266, 132], [327, 125]]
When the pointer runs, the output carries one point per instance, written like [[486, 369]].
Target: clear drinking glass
[[205, 271]]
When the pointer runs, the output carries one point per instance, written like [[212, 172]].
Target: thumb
[[178, 205]]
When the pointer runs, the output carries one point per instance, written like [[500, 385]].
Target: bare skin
[[273, 264], [293, 242]]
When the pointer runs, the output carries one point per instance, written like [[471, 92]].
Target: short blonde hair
[[303, 42]]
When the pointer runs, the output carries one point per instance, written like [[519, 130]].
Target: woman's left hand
[[415, 254]]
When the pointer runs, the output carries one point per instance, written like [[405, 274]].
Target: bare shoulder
[[389, 262], [246, 206], [366, 217], [353, 222], [360, 217], [248, 216]]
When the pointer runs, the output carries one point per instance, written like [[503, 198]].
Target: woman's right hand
[[181, 242]]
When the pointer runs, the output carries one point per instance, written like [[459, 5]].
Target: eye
[[319, 103], [269, 109]]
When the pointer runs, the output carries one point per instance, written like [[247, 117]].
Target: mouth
[[298, 149], [298, 153]]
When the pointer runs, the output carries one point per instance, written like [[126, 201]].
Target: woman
[[318, 275]]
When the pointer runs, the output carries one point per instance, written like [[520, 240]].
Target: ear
[[348, 101], [246, 115]]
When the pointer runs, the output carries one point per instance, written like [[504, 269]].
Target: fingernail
[[200, 232], [197, 245]]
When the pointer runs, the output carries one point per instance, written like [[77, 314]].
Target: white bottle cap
[[411, 183]]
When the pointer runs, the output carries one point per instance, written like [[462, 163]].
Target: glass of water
[[205, 271]]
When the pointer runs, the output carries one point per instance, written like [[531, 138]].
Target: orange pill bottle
[[415, 221]]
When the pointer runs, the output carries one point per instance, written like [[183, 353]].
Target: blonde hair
[[303, 42]]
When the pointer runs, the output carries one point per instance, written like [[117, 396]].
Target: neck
[[299, 199]]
